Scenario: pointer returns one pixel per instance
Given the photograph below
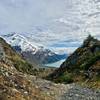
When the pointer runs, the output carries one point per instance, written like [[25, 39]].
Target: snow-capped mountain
[[18, 40], [31, 51]]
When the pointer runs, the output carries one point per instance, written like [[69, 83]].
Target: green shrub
[[86, 65], [65, 78], [23, 66]]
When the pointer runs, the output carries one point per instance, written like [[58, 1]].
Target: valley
[[49, 49], [20, 80], [32, 52]]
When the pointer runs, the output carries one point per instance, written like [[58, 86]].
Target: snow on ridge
[[18, 40]]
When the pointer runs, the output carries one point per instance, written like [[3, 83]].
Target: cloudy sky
[[23, 15], [53, 23]]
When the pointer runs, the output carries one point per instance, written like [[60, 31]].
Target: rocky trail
[[19, 86], [66, 92]]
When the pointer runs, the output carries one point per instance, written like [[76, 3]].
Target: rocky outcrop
[[2, 53]]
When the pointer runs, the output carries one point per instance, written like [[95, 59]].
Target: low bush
[[65, 78]]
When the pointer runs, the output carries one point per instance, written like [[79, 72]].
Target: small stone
[[25, 92]]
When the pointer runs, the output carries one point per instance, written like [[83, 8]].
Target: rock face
[[42, 56], [82, 65], [2, 53]]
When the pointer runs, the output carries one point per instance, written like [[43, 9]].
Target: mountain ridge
[[31, 52], [83, 65]]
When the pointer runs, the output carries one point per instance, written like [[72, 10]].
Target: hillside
[[11, 81], [17, 81], [10, 55], [81, 66]]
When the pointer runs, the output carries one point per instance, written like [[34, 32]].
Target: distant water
[[56, 64]]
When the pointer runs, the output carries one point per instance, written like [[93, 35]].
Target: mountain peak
[[32, 51], [89, 41]]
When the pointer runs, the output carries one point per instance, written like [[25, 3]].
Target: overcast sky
[[57, 22], [23, 15]]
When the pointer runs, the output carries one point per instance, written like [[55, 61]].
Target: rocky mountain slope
[[31, 51], [81, 66], [15, 85]]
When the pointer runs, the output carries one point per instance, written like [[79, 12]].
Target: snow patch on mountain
[[31, 51], [18, 40]]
